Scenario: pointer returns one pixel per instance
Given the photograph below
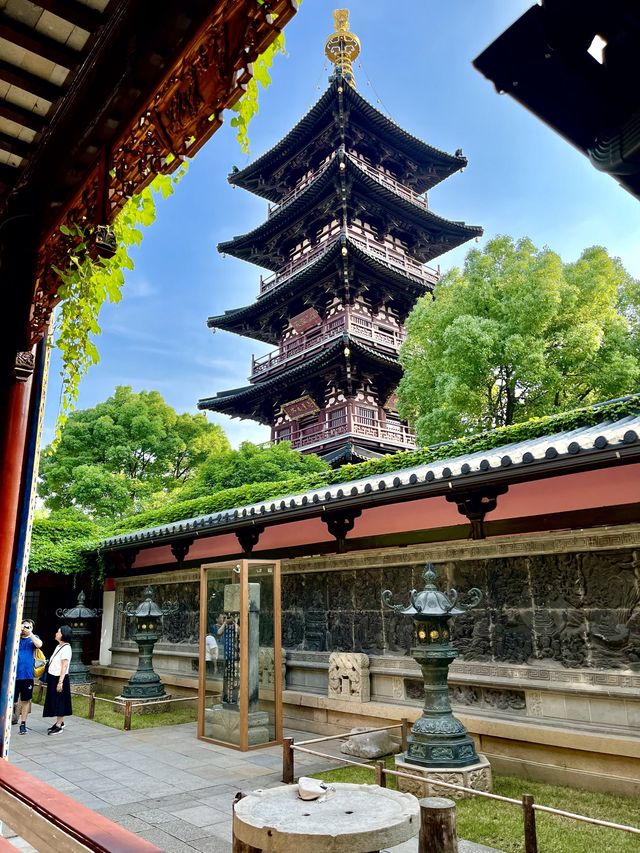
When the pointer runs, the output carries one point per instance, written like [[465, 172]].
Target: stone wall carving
[[348, 677], [179, 628], [570, 611]]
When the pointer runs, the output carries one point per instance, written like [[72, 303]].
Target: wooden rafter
[[26, 118], [38, 43], [75, 13], [14, 146], [29, 82]]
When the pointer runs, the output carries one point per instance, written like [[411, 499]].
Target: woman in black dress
[[58, 700]]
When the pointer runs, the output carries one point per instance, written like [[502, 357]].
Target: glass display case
[[240, 667]]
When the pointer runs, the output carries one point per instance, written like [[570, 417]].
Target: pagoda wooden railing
[[348, 321], [390, 183], [393, 258], [345, 423], [295, 265], [272, 209], [396, 259]]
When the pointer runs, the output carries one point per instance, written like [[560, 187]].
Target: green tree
[[110, 457], [518, 334], [252, 463]]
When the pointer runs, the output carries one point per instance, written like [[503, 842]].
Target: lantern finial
[[342, 47]]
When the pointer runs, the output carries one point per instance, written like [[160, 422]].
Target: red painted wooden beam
[[93, 830]]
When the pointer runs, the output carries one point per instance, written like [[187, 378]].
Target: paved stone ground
[[161, 783]]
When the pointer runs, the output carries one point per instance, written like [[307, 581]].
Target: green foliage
[[111, 457], [256, 492], [252, 463], [87, 283], [63, 546], [499, 825], [518, 334], [247, 105], [219, 502]]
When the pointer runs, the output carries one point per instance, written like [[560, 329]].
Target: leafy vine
[[88, 282]]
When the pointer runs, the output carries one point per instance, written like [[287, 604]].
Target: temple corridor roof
[[608, 443]]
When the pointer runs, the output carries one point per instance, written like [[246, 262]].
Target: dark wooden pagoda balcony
[[349, 321], [342, 424], [381, 252], [389, 182]]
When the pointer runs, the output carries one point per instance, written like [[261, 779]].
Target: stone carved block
[[533, 700], [266, 666], [476, 776], [349, 677]]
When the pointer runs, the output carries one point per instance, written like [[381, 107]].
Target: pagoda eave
[[405, 285], [436, 165], [346, 354], [370, 196]]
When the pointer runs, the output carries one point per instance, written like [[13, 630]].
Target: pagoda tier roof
[[255, 320], [427, 234], [350, 452], [433, 164], [256, 401]]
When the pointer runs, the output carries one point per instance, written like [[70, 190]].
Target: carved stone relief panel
[[349, 677], [569, 610], [179, 628]]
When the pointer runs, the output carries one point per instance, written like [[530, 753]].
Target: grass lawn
[[500, 825], [178, 712]]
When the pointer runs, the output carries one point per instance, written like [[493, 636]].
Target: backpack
[[39, 663]]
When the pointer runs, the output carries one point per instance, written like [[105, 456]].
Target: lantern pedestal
[[476, 776]]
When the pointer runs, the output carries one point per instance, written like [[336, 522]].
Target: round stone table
[[356, 819]]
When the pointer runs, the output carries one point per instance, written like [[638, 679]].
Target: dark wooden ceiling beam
[[29, 82], [75, 13], [14, 146], [8, 175], [37, 43], [19, 115]]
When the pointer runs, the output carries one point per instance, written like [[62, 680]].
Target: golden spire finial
[[342, 47]]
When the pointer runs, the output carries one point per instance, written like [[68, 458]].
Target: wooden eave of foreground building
[[427, 234], [543, 62], [342, 115], [265, 319], [98, 99], [584, 478], [258, 401]]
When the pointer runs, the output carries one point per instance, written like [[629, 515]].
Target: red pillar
[[13, 440]]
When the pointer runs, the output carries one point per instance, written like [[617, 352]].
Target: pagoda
[[347, 239]]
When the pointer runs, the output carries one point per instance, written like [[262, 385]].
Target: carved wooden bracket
[[248, 537], [474, 504], [180, 549], [339, 523], [24, 365]]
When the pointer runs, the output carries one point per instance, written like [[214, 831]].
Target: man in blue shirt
[[29, 642]]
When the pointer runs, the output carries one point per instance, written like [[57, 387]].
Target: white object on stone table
[[371, 745], [314, 789]]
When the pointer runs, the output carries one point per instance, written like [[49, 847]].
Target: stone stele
[[476, 776], [356, 819], [370, 745]]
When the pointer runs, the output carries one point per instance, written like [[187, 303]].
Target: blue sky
[[415, 66]]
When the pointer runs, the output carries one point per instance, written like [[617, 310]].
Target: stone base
[[223, 724], [157, 704], [476, 776], [85, 688]]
